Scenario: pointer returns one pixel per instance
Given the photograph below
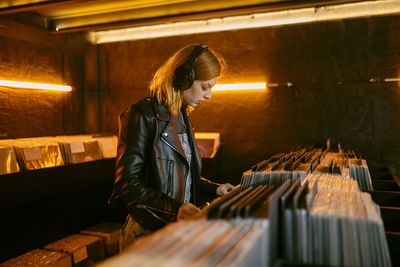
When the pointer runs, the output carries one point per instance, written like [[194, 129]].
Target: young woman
[[158, 165]]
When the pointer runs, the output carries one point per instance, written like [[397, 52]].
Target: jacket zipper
[[186, 174], [170, 178]]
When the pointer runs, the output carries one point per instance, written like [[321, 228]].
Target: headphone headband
[[194, 56], [185, 75]]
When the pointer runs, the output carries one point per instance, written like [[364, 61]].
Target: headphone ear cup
[[190, 78], [183, 77]]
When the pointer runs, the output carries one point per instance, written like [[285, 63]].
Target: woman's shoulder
[[138, 116], [142, 105], [148, 107], [140, 108]]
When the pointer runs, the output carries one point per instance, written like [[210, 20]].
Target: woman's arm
[[215, 188], [208, 186]]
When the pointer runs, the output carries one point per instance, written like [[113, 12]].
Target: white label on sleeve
[[77, 147], [32, 153], [80, 255]]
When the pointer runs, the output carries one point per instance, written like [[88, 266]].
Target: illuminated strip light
[[391, 79], [376, 80], [43, 86], [239, 86], [291, 16]]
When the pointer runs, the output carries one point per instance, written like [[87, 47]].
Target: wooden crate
[[39, 257], [109, 232], [84, 249]]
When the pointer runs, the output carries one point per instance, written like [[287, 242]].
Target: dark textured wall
[[253, 125], [28, 53]]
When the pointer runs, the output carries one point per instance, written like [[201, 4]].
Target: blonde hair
[[208, 66]]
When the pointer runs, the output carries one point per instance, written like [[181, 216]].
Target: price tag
[[32, 153], [80, 255], [77, 147]]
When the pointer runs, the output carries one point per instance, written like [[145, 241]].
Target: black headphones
[[185, 75]]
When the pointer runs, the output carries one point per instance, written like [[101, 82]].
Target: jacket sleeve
[[208, 186], [148, 206]]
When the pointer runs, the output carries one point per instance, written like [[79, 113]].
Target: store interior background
[[330, 65]]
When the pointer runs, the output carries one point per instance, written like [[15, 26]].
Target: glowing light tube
[[239, 86], [266, 19], [392, 79], [28, 85]]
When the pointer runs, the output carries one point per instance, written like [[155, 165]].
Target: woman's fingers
[[187, 210], [229, 187], [224, 189], [191, 209]]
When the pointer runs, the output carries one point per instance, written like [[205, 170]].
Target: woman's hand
[[187, 211], [224, 189]]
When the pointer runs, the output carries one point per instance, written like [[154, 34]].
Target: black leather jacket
[[151, 166]]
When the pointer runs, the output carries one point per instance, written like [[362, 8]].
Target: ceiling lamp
[[285, 17]]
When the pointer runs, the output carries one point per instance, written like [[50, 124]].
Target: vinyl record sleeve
[[8, 160]]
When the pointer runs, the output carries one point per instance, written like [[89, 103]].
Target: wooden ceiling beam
[[33, 5], [85, 25]]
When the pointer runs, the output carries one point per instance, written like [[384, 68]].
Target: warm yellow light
[[10, 4], [239, 86], [43, 86], [275, 18], [392, 79]]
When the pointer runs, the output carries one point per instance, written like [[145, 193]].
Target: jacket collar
[[161, 111]]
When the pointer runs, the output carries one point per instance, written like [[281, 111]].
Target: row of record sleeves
[[298, 163], [200, 243], [319, 219], [43, 152]]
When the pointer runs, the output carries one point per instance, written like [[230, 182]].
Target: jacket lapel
[[169, 135]]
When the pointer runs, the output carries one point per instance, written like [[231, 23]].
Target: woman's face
[[200, 91]]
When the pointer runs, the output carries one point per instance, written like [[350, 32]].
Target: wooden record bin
[[386, 194], [41, 206]]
